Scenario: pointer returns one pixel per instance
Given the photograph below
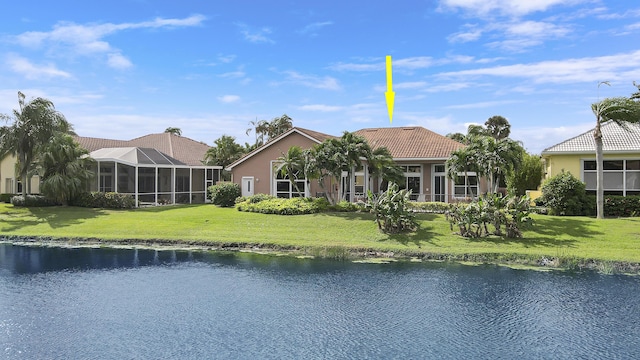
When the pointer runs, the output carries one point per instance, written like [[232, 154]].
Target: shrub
[[6, 198], [564, 194], [224, 194], [253, 199], [391, 210], [32, 200], [293, 206], [430, 207], [105, 200], [345, 206], [473, 219], [620, 206]]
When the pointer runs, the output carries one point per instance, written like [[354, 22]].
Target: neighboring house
[[156, 168], [621, 149], [420, 152]]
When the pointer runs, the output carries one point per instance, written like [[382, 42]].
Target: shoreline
[[358, 255]]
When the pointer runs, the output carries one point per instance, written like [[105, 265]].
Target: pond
[[62, 303]]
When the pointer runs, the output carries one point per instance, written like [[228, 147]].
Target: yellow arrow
[[389, 94]]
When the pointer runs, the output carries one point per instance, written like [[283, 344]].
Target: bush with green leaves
[[473, 219], [104, 200], [32, 201], [224, 194], [6, 198], [564, 194], [621, 206], [392, 211], [293, 206], [253, 199], [430, 207]]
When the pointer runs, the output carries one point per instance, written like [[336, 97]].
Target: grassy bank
[[612, 244]]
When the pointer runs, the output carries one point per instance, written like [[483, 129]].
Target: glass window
[[633, 180], [590, 180], [413, 168], [612, 165], [613, 180], [438, 168], [590, 165], [633, 164]]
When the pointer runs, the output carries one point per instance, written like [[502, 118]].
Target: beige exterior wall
[[259, 166], [8, 179]]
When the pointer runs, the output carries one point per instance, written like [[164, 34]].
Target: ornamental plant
[[392, 211], [224, 194]]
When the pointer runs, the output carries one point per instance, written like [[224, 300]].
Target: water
[[126, 304]]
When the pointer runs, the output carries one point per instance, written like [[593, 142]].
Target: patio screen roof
[[135, 156]]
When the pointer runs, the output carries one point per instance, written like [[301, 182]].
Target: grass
[[568, 242]]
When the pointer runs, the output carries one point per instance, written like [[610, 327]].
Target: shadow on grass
[[56, 217], [163, 208], [552, 232]]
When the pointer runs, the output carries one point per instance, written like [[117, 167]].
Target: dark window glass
[[613, 165], [633, 164], [590, 165]]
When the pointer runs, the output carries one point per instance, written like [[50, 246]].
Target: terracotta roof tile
[[615, 138], [186, 150], [411, 142]]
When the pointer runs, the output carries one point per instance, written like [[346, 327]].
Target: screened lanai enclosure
[[151, 177]]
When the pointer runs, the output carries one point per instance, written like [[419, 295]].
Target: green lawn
[[616, 240]]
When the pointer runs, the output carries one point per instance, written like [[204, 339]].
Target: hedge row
[[430, 207], [620, 206], [267, 204], [32, 200], [108, 200], [6, 198]]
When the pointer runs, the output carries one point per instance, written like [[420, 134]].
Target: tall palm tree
[[382, 166], [64, 168], [34, 125], [354, 149], [495, 158], [225, 151], [461, 161], [174, 131], [292, 166], [618, 110]]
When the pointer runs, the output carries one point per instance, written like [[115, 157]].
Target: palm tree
[[64, 167], [618, 110], [225, 151], [354, 149], [498, 127], [461, 161], [34, 125], [382, 166], [291, 165], [174, 131], [495, 158]]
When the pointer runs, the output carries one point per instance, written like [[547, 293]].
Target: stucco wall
[[259, 165], [555, 164], [7, 171]]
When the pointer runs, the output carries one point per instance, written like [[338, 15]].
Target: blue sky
[[125, 68]]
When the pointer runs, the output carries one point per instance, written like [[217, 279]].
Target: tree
[[224, 152], [459, 137], [498, 127], [382, 166], [292, 166], [174, 131], [461, 161], [618, 110], [529, 173], [353, 149], [495, 158], [64, 168], [265, 130], [34, 125]]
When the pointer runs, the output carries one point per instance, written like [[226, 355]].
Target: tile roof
[[411, 142], [183, 149], [615, 138]]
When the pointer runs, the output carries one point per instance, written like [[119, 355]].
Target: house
[[621, 167], [155, 168], [420, 152]]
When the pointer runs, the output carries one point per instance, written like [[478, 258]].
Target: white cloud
[[481, 105], [227, 99], [470, 33], [409, 63], [312, 81], [482, 8], [32, 71], [67, 38], [312, 29], [320, 108], [537, 139], [256, 36], [623, 66], [117, 61]]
